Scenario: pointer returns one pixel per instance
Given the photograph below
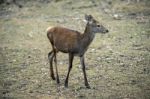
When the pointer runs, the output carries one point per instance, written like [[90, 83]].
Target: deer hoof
[[66, 85], [53, 77], [58, 82], [88, 86]]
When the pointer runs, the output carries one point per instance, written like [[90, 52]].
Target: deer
[[74, 43]]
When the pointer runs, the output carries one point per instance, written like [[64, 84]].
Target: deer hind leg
[[69, 68], [84, 72], [55, 60], [50, 57]]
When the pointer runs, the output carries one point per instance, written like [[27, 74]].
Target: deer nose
[[107, 31]]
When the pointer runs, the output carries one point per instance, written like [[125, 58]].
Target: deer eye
[[98, 25]]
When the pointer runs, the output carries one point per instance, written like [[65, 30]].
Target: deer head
[[94, 25]]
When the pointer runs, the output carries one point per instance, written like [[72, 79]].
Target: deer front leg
[[84, 72], [69, 68]]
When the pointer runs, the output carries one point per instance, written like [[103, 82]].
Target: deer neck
[[87, 36]]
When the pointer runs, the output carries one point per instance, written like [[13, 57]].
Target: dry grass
[[117, 63]]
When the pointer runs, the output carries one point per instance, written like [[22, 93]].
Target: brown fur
[[72, 42], [67, 42]]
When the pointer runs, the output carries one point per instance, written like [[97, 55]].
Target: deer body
[[72, 42]]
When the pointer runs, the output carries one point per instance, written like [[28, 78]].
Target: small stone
[[14, 60], [29, 56], [117, 17]]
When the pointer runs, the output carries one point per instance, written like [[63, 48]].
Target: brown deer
[[74, 43]]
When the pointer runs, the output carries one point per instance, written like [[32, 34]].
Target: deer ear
[[88, 17]]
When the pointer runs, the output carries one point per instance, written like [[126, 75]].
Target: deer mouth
[[106, 31]]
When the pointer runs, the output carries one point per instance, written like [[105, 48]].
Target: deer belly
[[67, 49]]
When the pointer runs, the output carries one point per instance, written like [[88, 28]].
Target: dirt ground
[[117, 63]]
